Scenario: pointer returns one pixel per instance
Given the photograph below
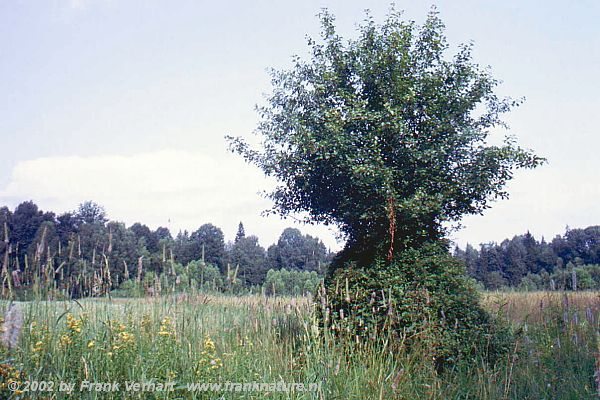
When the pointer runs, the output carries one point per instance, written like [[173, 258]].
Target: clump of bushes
[[291, 282], [422, 298], [571, 277], [195, 275]]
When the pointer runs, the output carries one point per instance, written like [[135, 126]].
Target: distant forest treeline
[[84, 253], [568, 261]]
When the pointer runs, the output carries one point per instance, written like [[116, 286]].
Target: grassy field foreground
[[181, 340]]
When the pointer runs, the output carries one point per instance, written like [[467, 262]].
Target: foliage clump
[[422, 299]]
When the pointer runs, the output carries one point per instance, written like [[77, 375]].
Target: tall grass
[[211, 338]]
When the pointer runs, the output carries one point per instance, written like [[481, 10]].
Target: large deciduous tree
[[89, 212], [294, 251], [210, 240], [385, 136], [249, 256]]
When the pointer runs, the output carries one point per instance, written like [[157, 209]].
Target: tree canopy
[[297, 252], [384, 135]]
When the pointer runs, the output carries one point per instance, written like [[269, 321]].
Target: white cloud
[[177, 189]]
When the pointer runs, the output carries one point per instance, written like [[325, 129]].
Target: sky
[[127, 103]]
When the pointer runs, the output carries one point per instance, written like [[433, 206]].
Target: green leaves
[[422, 299], [385, 114]]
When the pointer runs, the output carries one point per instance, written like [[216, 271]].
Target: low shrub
[[423, 299]]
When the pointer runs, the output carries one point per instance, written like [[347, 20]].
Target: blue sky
[[127, 103]]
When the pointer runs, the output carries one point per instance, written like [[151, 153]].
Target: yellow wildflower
[[126, 337], [39, 346], [74, 324], [166, 328], [122, 340], [208, 360], [65, 340], [209, 345]]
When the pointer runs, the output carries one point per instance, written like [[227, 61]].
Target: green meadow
[[255, 347]]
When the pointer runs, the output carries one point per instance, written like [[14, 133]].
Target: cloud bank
[[177, 189], [543, 201]]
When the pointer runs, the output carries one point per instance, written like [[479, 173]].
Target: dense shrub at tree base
[[422, 298]]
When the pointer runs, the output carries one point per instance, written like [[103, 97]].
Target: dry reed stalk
[[5, 277], [107, 272], [39, 251], [140, 268], [110, 240], [6, 254], [511, 360], [16, 278], [126, 270], [6, 239], [26, 269], [71, 249]]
